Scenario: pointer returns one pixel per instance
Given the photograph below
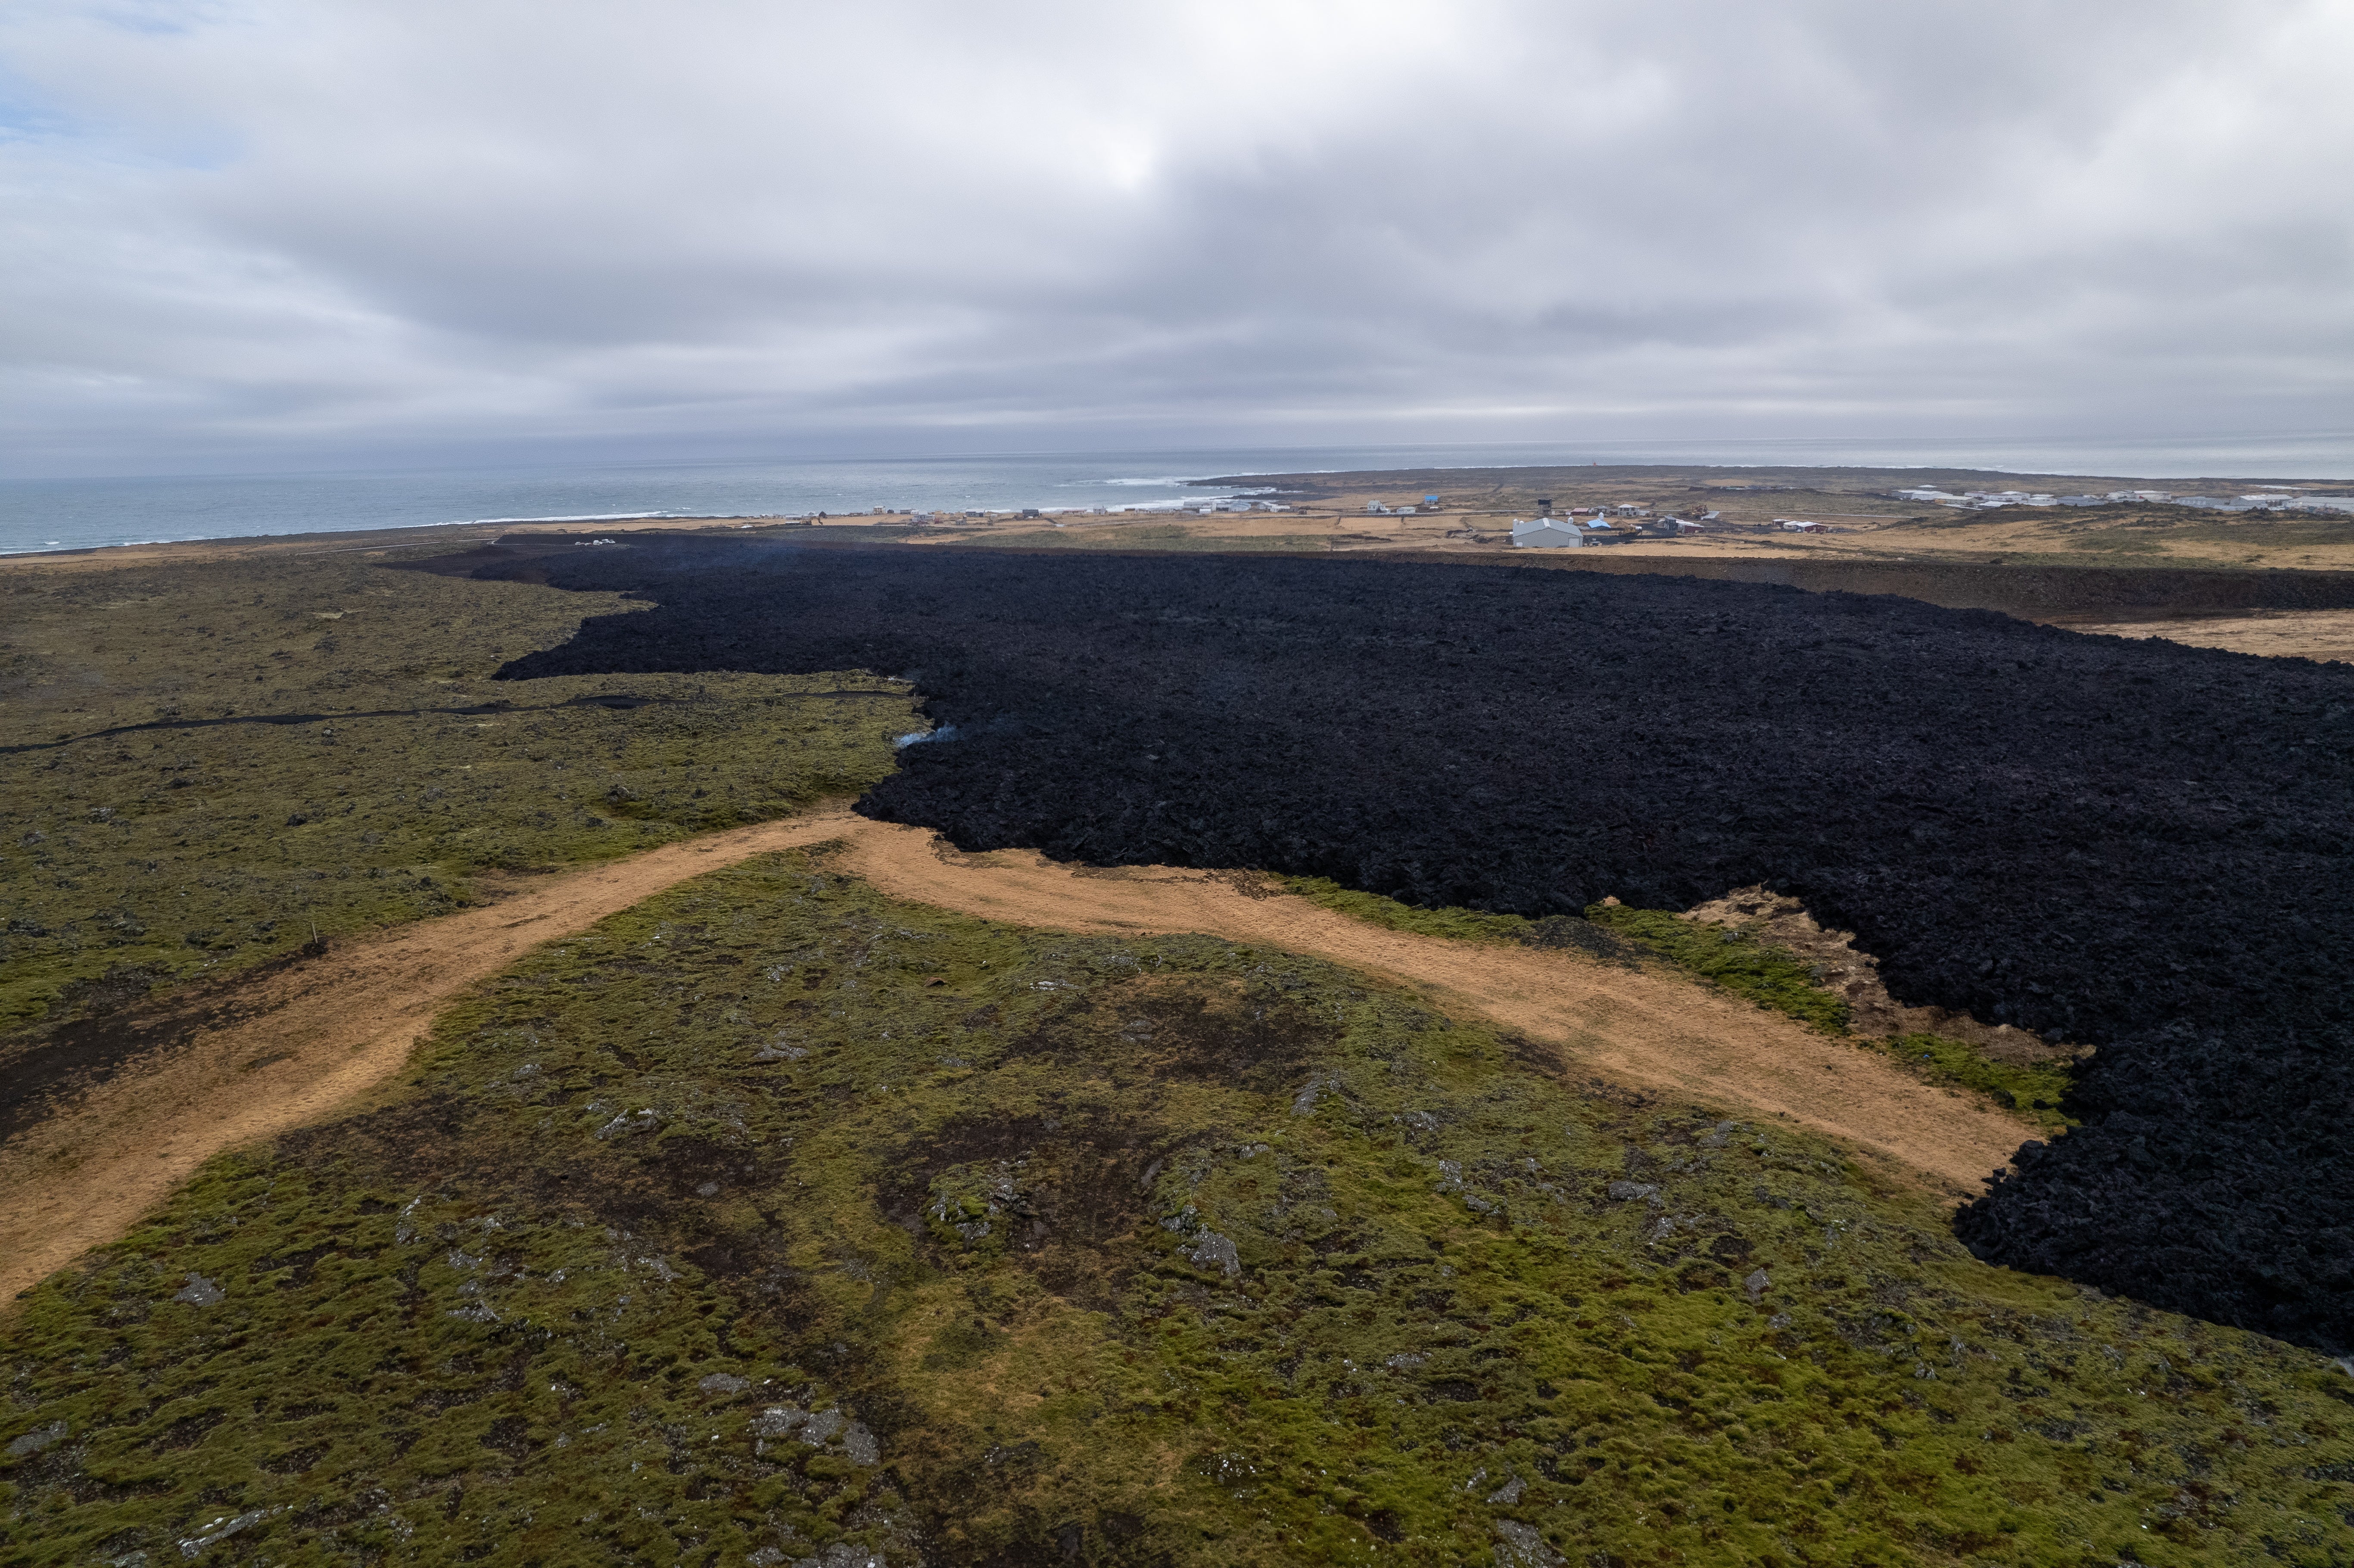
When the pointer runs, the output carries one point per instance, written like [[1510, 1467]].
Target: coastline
[[42, 515], [2276, 586], [355, 541]]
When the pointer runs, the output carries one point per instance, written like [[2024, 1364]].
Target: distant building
[[1546, 533], [1800, 525], [1977, 497]]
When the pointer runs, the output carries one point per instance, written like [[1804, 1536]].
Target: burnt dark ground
[[41, 1069], [2134, 845]]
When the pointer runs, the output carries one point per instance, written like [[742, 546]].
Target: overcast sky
[[261, 233]]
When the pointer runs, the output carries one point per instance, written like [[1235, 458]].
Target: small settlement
[[1545, 531], [2271, 498]]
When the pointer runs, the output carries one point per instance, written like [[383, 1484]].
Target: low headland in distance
[[1494, 1065], [2194, 553]]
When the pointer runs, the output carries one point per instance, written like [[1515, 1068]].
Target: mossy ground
[[1455, 925], [1734, 959], [2036, 1090], [772, 1219], [133, 861]]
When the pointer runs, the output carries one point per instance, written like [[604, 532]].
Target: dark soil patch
[[442, 1143], [1254, 1041], [110, 1022], [1558, 931], [1026, 1538], [1073, 1179], [621, 700], [1070, 1183], [2134, 845]]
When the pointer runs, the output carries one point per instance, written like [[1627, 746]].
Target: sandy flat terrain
[[323, 1034], [2326, 634]]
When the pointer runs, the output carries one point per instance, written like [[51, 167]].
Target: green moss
[[1735, 959], [152, 858], [1458, 925], [2033, 1090], [1281, 1267]]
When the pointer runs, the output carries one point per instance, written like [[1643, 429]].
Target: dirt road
[[311, 1038], [1652, 1030], [324, 1034]]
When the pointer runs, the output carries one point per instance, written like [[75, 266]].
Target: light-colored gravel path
[[1648, 1029]]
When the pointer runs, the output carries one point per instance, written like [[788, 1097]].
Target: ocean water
[[39, 514]]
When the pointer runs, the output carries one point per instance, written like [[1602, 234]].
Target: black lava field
[[2134, 846]]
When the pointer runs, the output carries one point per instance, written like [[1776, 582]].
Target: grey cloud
[[276, 228]]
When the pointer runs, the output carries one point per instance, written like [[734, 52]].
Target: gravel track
[[307, 1040]]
